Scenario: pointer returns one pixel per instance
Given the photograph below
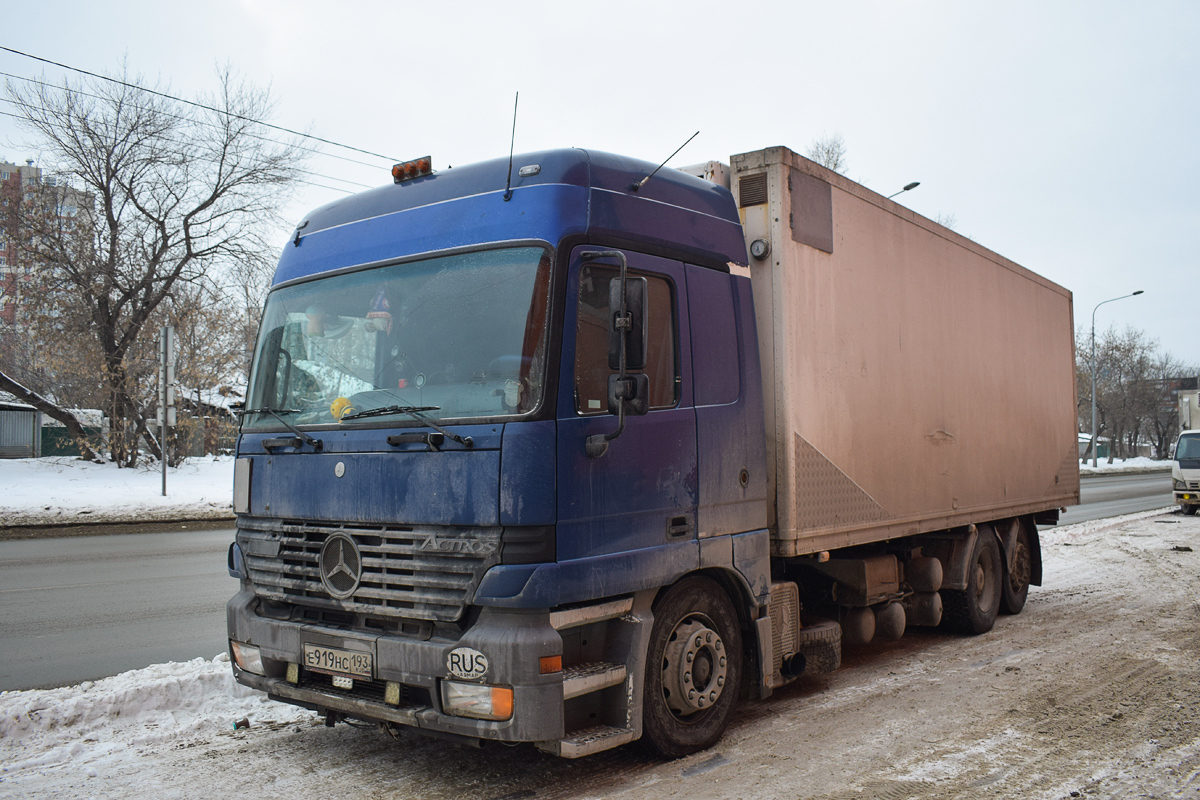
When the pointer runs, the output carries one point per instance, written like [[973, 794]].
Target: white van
[[1185, 472]]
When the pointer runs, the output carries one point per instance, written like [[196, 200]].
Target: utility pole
[[166, 394]]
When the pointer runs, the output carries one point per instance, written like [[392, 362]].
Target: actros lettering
[[459, 546]]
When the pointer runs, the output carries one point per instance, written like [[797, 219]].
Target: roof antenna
[[508, 181], [642, 182]]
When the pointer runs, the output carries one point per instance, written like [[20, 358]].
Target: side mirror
[[633, 390], [635, 308]]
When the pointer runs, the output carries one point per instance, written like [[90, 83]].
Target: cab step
[[575, 616], [585, 678], [593, 740]]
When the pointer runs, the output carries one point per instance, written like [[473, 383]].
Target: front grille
[[371, 691], [425, 572]]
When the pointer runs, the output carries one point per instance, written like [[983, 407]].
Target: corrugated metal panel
[[19, 433]]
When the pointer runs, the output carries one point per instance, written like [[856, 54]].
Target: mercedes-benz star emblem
[[341, 566]]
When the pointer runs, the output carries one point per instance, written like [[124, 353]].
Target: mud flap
[[766, 647]]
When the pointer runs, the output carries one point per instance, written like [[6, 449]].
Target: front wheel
[[693, 668], [974, 609], [1191, 510]]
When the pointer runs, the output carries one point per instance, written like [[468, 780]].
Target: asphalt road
[[78, 608], [83, 607], [1112, 495]]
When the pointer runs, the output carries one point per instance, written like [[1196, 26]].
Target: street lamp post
[[1122, 297], [907, 188]]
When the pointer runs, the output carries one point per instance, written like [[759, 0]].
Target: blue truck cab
[[501, 474]]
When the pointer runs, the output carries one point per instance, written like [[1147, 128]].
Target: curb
[[99, 528], [90, 522]]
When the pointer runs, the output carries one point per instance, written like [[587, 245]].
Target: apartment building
[[25, 184]]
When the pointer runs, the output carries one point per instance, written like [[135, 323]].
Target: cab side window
[[591, 341]]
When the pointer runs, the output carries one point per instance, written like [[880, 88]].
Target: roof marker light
[[408, 170]]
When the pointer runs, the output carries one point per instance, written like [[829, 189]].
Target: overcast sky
[[1064, 136]]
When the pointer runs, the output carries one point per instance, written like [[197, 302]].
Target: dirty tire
[[821, 643], [974, 610], [1015, 587], [1191, 510], [672, 726]]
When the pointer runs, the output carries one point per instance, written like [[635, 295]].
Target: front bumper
[[511, 640], [1190, 497]]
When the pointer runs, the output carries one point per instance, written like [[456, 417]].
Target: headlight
[[1178, 484], [477, 700], [247, 657]]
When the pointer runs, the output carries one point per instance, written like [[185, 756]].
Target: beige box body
[[914, 380]]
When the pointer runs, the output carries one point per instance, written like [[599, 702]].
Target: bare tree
[[947, 220], [211, 356], [1167, 373], [178, 192], [46, 356], [1135, 390], [830, 152]]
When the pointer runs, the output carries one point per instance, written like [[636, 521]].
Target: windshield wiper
[[379, 412], [277, 413], [417, 412]]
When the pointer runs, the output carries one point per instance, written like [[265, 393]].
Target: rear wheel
[[1016, 586], [693, 668], [974, 609]]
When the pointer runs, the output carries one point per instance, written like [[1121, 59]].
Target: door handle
[[678, 526]]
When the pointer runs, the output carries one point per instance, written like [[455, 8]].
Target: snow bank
[[84, 727], [1139, 464], [63, 490]]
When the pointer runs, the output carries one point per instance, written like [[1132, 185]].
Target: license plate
[[337, 662]]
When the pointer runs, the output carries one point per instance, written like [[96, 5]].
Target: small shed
[[20, 430], [56, 441]]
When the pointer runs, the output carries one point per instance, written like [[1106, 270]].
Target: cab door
[[643, 491]]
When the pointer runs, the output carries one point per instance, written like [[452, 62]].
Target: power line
[[330, 188], [298, 169], [197, 105], [199, 122]]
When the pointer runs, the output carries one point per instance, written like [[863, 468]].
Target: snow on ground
[[98, 724], [1139, 464], [63, 490], [139, 729]]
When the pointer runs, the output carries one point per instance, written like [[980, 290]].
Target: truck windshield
[[464, 334], [1188, 448]]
